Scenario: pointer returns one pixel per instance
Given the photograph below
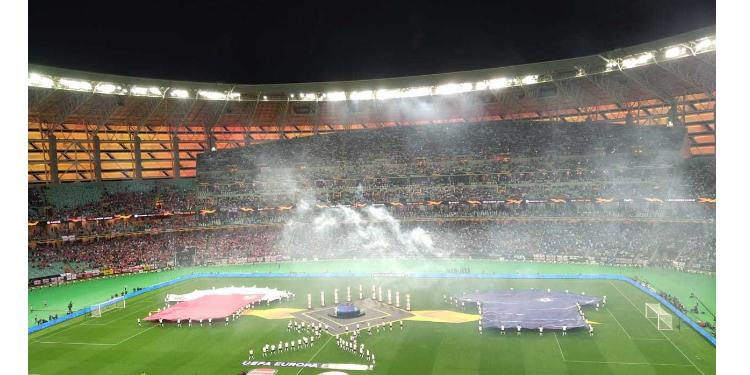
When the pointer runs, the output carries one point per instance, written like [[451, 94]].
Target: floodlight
[[335, 96], [530, 79], [307, 96], [72, 84], [362, 95], [384, 94], [179, 93], [291, 96], [265, 97], [704, 44], [416, 91], [233, 96], [105, 88], [453, 88], [154, 91], [212, 95], [39, 80], [674, 52], [497, 83], [611, 64], [632, 62], [139, 90]]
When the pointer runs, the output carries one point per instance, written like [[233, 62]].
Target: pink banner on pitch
[[214, 306]]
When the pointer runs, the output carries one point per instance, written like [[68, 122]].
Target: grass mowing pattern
[[624, 343]]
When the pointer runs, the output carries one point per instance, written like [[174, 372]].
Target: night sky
[[254, 41]]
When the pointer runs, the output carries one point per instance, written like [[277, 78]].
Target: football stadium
[[555, 217]]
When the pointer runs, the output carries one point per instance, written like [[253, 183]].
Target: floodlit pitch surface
[[624, 341]]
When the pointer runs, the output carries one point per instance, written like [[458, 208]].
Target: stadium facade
[[96, 127]]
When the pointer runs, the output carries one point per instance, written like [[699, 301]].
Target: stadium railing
[[179, 279]]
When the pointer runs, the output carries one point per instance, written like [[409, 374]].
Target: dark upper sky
[[253, 41]]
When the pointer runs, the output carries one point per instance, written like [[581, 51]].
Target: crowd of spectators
[[436, 173], [156, 200], [688, 246], [415, 164], [225, 246]]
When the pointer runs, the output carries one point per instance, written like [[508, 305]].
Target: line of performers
[[541, 328]]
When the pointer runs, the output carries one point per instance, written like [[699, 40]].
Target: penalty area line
[[657, 328], [93, 343], [619, 324], [145, 330]]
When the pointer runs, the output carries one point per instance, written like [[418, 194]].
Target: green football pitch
[[625, 342]]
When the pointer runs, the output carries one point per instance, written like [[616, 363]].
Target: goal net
[[654, 311], [99, 309]]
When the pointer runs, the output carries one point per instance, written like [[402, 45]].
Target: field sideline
[[624, 342], [88, 293]]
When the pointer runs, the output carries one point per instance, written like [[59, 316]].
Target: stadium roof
[[693, 43], [671, 81]]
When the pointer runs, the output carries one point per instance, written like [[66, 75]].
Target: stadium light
[[412, 92], [530, 80], [307, 96], [145, 91], [385, 94], [362, 95], [265, 97], [335, 96], [212, 95], [234, 96], [39, 80], [179, 93], [704, 44], [611, 65], [674, 52], [105, 88], [639, 60], [72, 84], [497, 83], [453, 88]]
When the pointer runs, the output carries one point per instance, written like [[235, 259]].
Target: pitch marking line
[[145, 330], [74, 343], [652, 323], [559, 347], [618, 323], [615, 363], [75, 323], [316, 353], [95, 343], [632, 363]]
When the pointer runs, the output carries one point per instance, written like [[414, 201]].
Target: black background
[[254, 41]]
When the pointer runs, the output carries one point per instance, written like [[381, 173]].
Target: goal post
[[662, 317], [98, 309]]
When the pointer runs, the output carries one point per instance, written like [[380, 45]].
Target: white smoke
[[342, 231]]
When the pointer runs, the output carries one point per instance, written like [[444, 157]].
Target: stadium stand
[[511, 190]]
